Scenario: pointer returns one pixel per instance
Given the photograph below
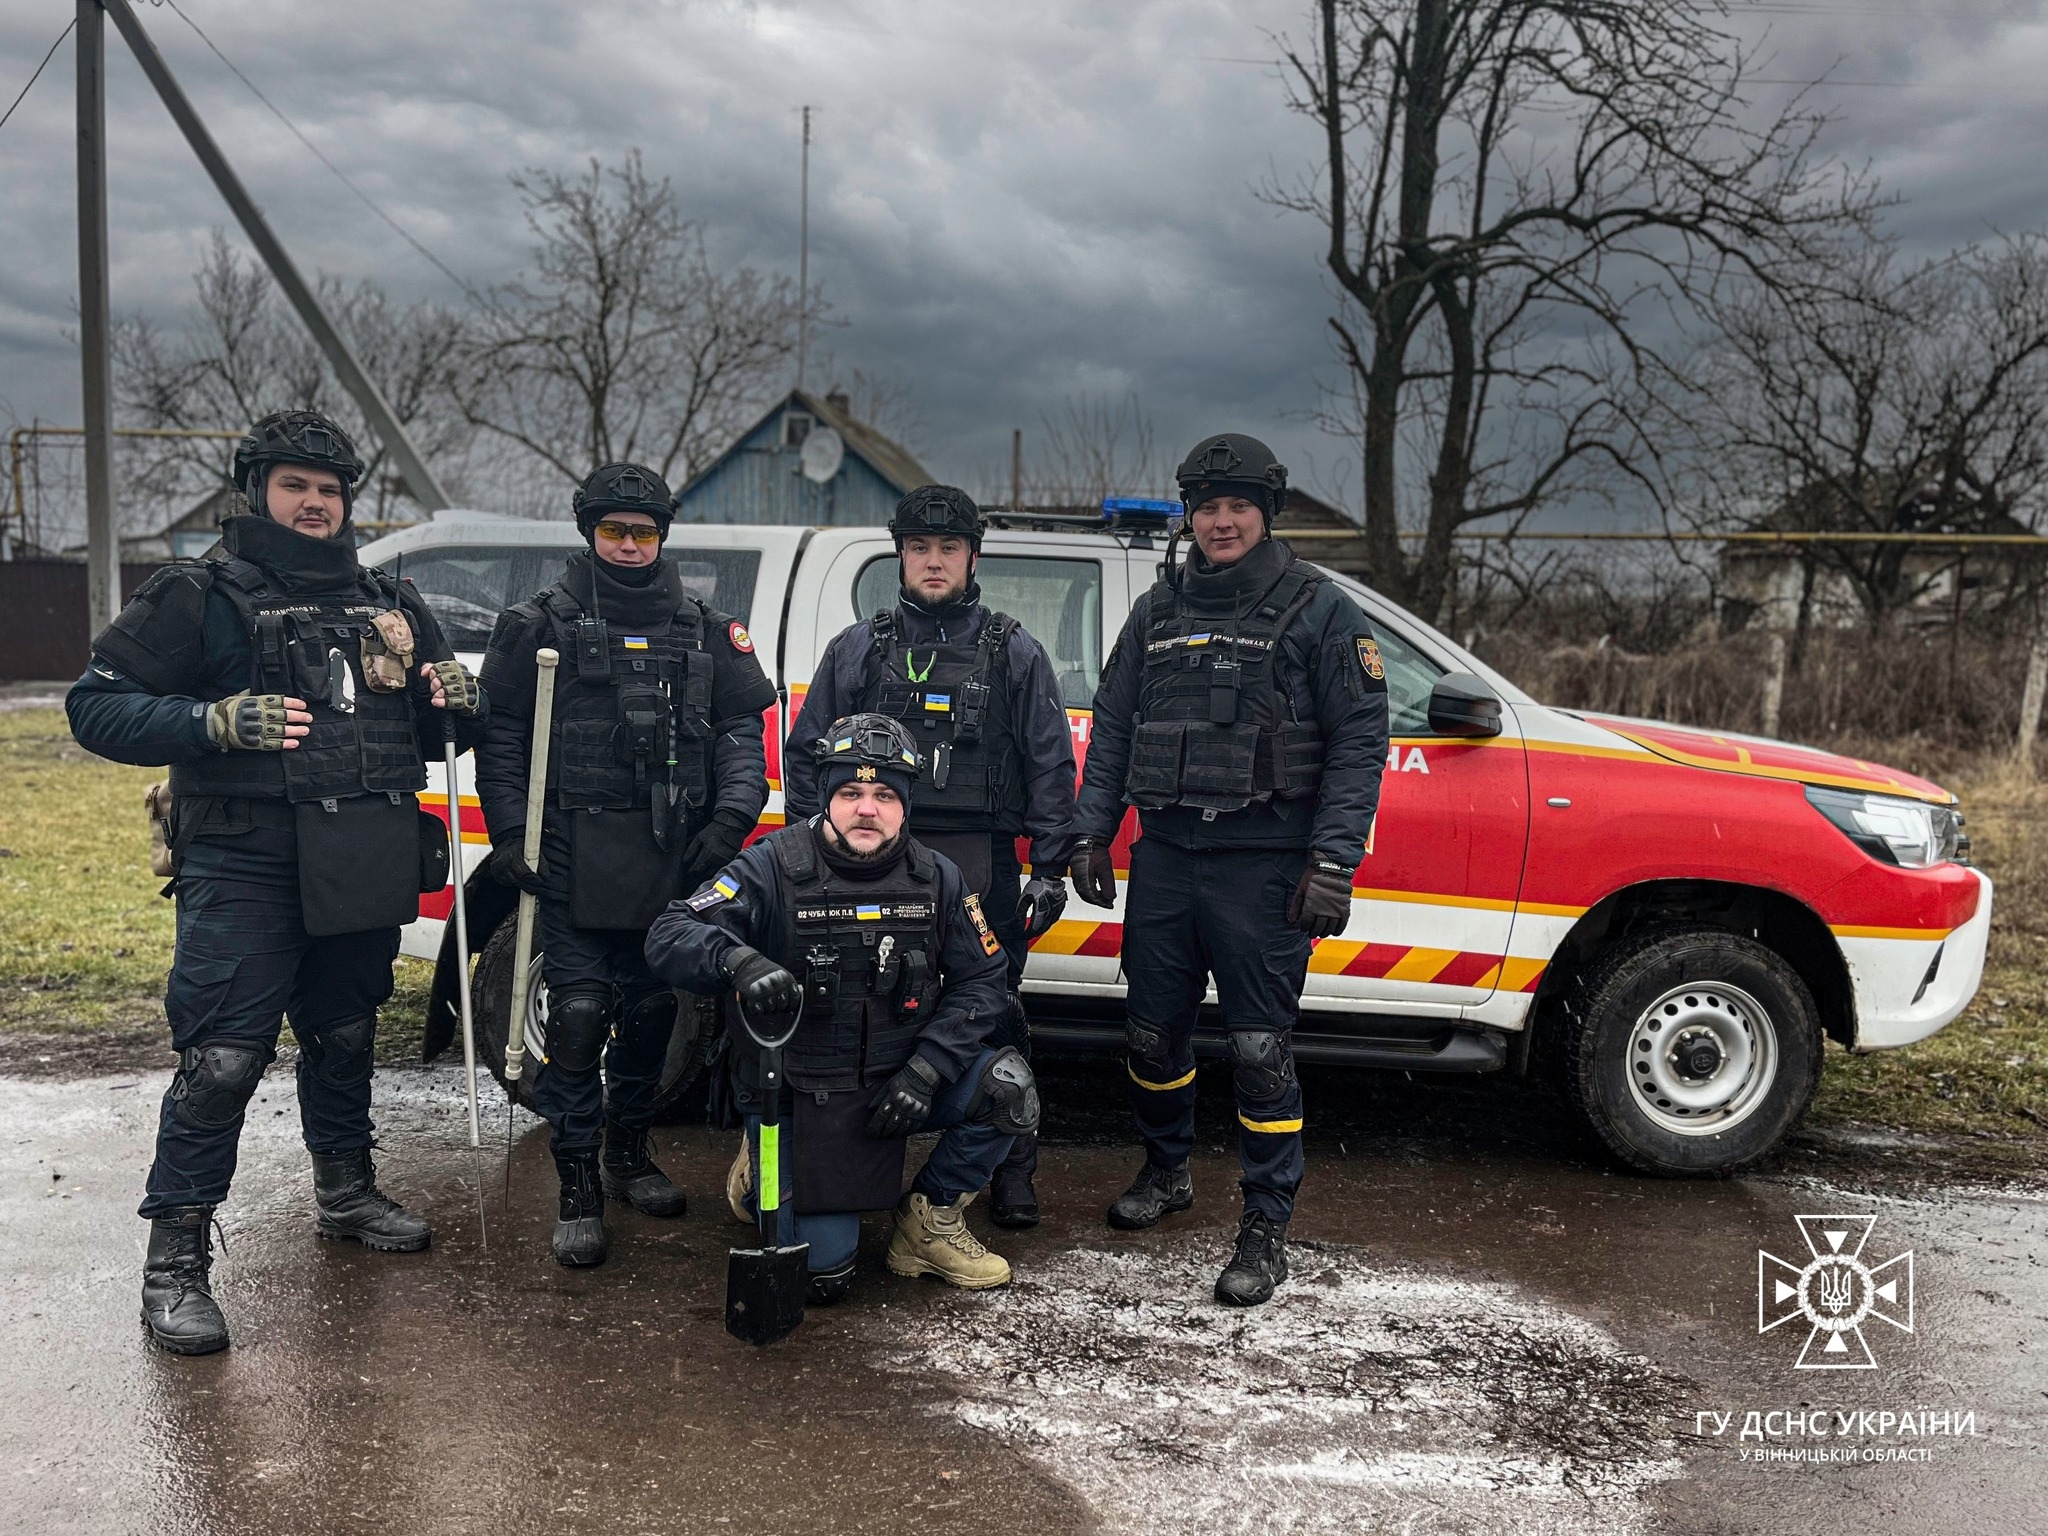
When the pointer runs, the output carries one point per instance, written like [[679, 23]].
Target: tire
[[491, 1003], [1691, 1051]]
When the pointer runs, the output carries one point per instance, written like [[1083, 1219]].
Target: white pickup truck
[[1799, 893]]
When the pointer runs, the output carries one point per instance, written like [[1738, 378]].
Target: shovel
[[765, 1286]]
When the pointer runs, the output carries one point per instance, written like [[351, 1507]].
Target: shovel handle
[[461, 913], [546, 659]]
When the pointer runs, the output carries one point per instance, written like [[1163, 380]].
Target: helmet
[[938, 509], [1233, 465], [295, 437], [623, 488], [867, 747]]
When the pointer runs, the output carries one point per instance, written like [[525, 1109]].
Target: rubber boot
[[1156, 1192], [580, 1239], [177, 1295], [739, 1185], [630, 1174], [1259, 1264], [1012, 1202], [351, 1205], [934, 1240]]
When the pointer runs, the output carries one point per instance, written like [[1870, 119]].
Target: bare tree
[[1094, 447], [625, 342], [1908, 397], [241, 355], [1511, 188]]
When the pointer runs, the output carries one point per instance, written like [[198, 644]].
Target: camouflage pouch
[[156, 800], [387, 652]]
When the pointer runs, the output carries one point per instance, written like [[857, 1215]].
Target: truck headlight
[[1892, 829]]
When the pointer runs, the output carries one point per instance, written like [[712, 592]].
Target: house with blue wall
[[768, 476]]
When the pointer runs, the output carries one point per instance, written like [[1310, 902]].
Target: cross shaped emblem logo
[[1836, 1292]]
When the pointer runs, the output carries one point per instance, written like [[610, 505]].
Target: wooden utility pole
[[1017, 469], [102, 541]]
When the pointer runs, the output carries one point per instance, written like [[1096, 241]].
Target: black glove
[[716, 842], [1041, 905], [906, 1101], [458, 686], [1093, 872], [1321, 904], [762, 985], [508, 862]]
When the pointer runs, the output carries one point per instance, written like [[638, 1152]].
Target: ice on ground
[[1363, 1397]]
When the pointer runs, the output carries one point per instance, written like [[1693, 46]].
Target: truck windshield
[[1058, 601]]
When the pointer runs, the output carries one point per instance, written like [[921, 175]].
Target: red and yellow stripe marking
[[1341, 957]]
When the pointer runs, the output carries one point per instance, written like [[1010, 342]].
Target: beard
[[882, 851]]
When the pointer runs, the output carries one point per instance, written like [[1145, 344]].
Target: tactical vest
[[1216, 731], [867, 953], [362, 741], [632, 721], [954, 700]]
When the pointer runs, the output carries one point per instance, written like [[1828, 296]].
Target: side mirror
[[1461, 705]]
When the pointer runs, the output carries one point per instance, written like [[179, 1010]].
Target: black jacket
[[1323, 668]]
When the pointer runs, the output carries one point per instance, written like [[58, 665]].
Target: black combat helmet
[[938, 509], [867, 746], [295, 437], [1232, 464], [623, 488]]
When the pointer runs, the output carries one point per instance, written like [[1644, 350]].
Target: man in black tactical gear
[[294, 693], [978, 696], [656, 775], [1244, 713], [900, 978]]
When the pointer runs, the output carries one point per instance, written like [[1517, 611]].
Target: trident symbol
[[1835, 1289]]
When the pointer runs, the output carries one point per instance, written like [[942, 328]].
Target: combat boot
[[630, 1174], [580, 1239], [1012, 1201], [351, 1205], [739, 1185], [1259, 1264], [177, 1296], [934, 1240], [1156, 1192]]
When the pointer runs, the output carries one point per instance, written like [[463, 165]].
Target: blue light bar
[[1145, 507]]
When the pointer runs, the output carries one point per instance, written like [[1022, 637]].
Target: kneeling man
[[901, 979]]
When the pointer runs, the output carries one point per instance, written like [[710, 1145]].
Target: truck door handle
[[1560, 802]]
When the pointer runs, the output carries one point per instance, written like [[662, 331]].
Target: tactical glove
[[1321, 903], [509, 862], [1041, 905], [1093, 872], [906, 1101], [458, 686], [716, 842], [250, 722], [762, 985]]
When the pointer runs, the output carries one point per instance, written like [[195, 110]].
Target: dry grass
[[85, 938]]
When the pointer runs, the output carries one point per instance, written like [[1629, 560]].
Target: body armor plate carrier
[[867, 952], [1216, 731], [954, 701]]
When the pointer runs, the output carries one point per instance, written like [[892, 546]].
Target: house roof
[[884, 455]]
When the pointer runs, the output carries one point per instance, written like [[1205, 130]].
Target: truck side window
[[1410, 677], [1058, 601]]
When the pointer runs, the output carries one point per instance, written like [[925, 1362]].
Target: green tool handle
[[768, 1192]]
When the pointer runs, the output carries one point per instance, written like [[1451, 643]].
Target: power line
[[339, 175], [32, 79]]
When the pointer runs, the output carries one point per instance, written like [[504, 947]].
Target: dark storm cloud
[[1010, 205]]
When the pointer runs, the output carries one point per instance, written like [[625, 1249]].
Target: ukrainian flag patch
[[633, 642], [939, 703], [868, 912]]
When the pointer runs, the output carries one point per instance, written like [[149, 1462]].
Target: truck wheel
[[491, 1002], [1691, 1051]]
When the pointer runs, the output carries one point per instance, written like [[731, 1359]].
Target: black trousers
[[1190, 916], [244, 961], [611, 963]]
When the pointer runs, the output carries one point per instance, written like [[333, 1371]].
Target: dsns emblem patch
[[1369, 659], [990, 944]]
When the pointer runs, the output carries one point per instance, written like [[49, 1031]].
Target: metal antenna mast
[[103, 579], [803, 260]]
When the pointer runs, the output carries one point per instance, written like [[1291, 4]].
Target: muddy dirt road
[[1487, 1331]]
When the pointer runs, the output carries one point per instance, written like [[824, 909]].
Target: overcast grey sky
[[1010, 204]]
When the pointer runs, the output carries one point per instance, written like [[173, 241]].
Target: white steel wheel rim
[[1669, 1047], [536, 1019]]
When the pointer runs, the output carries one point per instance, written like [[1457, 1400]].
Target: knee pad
[[1262, 1067], [578, 1026], [1152, 1063], [830, 1286], [215, 1082], [650, 1013], [1007, 1096], [341, 1055]]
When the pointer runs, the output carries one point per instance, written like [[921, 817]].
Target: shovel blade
[[764, 1292]]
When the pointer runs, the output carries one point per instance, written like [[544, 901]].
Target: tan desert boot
[[934, 1240], [739, 1183]]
